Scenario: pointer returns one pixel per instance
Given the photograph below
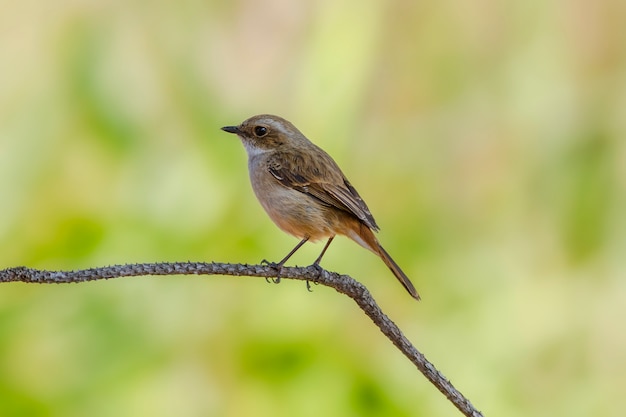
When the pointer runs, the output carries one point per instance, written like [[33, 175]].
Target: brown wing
[[320, 178]]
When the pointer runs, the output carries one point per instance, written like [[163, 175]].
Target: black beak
[[231, 129]]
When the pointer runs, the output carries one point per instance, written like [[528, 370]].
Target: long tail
[[391, 264], [365, 237]]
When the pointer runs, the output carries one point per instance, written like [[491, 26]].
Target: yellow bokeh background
[[487, 137]]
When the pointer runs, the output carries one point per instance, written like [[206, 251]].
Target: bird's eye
[[260, 131]]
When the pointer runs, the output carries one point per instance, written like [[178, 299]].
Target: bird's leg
[[316, 264], [286, 258], [280, 264], [319, 258]]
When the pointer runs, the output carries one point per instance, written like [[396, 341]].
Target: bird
[[304, 191]]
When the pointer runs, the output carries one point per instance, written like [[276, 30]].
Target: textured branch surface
[[341, 283]]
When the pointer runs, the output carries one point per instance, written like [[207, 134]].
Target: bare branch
[[341, 283]]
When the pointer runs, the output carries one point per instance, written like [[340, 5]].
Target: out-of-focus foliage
[[488, 138]]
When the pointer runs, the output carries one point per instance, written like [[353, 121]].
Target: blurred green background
[[487, 137]]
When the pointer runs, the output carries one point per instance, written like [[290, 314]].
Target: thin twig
[[341, 283]]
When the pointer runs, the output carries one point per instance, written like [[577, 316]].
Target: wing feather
[[320, 178]]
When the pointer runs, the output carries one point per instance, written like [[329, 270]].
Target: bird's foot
[[318, 268], [276, 266], [270, 264]]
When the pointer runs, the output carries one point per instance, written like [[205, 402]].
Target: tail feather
[[365, 237], [393, 266]]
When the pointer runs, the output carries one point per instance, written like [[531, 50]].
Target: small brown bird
[[303, 190]]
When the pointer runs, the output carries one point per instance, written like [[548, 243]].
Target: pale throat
[[253, 150]]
